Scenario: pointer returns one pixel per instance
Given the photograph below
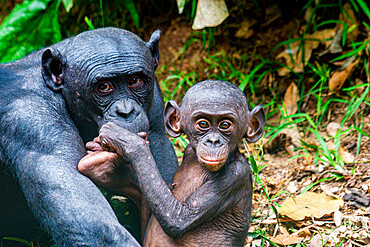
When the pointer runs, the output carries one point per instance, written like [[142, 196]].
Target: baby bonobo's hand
[[122, 141]]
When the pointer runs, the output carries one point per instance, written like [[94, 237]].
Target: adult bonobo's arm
[[206, 203], [59, 98], [43, 147], [160, 145]]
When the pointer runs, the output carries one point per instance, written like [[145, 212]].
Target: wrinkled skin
[[54, 101], [211, 202]]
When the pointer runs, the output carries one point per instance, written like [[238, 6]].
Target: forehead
[[218, 105], [215, 94], [110, 51]]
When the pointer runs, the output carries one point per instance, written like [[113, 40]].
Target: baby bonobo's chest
[[227, 229], [189, 176]]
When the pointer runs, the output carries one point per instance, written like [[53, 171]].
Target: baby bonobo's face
[[215, 121]]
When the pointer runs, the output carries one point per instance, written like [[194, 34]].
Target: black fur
[[49, 110]]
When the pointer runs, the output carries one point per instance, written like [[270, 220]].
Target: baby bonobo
[[211, 200]]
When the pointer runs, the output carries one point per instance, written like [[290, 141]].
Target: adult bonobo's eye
[[134, 82], [105, 87], [202, 124], [225, 125]]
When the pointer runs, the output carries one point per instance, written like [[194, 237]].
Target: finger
[[97, 139], [93, 146], [94, 160], [143, 135]]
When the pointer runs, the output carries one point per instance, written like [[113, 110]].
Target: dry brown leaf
[[310, 204], [350, 20], [338, 216], [210, 13], [245, 31], [318, 240], [286, 240], [332, 128], [291, 99], [292, 139], [294, 51], [347, 157], [339, 77]]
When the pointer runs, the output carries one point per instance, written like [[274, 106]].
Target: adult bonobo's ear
[[153, 46], [257, 120], [52, 69], [172, 119]]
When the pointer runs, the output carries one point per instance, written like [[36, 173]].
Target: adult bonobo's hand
[[105, 163]]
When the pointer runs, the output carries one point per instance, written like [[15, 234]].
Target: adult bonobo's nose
[[125, 110], [129, 115]]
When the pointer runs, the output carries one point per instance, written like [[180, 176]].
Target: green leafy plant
[[30, 26]]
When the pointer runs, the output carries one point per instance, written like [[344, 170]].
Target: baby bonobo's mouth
[[212, 164]]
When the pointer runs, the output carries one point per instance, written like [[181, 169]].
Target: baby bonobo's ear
[[257, 120], [172, 119]]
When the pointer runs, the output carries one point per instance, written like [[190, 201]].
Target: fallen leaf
[[245, 31], [335, 46], [347, 157], [329, 189], [210, 13], [292, 187], [338, 216], [286, 239], [272, 13], [293, 55], [310, 204], [339, 77], [291, 99], [318, 240], [349, 17], [292, 136], [332, 128]]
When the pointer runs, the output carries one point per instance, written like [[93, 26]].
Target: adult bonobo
[[55, 100], [211, 202]]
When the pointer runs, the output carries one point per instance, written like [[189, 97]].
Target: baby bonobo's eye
[[225, 125], [104, 87], [134, 82], [202, 124]]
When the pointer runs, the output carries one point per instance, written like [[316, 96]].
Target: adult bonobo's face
[[105, 75], [215, 117]]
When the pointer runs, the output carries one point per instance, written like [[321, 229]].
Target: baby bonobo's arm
[[176, 219]]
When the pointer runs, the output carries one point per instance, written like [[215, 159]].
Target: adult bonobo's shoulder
[[55, 100]]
